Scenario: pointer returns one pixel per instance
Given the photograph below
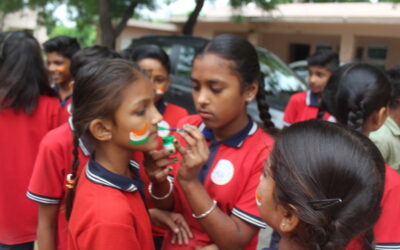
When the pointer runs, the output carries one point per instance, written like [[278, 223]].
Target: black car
[[280, 81]]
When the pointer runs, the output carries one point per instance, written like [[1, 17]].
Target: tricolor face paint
[[258, 199], [160, 90], [137, 137]]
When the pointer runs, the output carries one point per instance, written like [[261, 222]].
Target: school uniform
[[109, 212], [19, 143], [230, 176], [53, 164], [303, 106], [387, 228]]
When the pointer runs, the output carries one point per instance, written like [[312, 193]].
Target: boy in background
[[305, 105], [59, 51]]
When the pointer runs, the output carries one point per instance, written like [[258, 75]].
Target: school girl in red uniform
[[53, 164], [118, 117], [28, 110], [304, 106], [225, 150], [155, 62], [327, 193], [358, 96]]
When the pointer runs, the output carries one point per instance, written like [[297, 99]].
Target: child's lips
[[205, 114]]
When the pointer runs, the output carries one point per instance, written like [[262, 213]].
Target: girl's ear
[[101, 129], [377, 119], [251, 92], [289, 219]]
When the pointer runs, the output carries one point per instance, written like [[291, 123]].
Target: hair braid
[[355, 119], [263, 108], [75, 163]]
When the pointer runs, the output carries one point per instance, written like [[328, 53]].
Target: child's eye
[[216, 90], [141, 112], [195, 87]]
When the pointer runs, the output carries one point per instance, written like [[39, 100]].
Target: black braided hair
[[263, 108], [244, 56], [354, 92], [74, 169]]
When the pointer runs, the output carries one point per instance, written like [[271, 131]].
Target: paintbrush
[[171, 129]]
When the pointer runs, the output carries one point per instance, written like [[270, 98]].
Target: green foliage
[[86, 36]]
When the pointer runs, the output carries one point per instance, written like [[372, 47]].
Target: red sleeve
[[246, 207], [290, 115], [387, 229], [46, 184], [108, 236]]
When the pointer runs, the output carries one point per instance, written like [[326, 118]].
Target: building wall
[[343, 37], [25, 19]]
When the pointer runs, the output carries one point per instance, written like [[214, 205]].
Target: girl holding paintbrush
[[223, 153]]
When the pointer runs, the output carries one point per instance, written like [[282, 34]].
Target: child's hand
[[173, 221], [194, 155], [157, 165]]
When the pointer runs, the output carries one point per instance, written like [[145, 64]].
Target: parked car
[[300, 68], [280, 81]]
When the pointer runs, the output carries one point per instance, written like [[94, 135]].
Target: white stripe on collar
[[308, 97]]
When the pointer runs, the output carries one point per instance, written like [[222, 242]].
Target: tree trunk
[[106, 28], [108, 34], [188, 27]]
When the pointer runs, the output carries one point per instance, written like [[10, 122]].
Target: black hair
[[394, 79], [23, 76], [97, 94], [153, 51], [334, 184], [324, 58], [245, 63], [354, 92], [87, 55], [64, 45]]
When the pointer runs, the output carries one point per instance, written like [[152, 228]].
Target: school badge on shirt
[[223, 172]]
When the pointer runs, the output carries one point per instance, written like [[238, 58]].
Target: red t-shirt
[[19, 142], [230, 177], [53, 163], [108, 213], [303, 106], [387, 229]]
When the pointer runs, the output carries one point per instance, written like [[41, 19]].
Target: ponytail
[[355, 120], [72, 177], [263, 108]]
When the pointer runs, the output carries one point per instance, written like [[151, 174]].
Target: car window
[[280, 81]]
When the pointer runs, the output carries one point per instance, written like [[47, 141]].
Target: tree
[[190, 23], [111, 16]]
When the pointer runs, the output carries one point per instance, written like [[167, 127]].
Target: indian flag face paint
[[160, 90], [141, 136], [258, 199]]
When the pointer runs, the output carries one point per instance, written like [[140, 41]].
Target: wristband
[[213, 206], [171, 187]]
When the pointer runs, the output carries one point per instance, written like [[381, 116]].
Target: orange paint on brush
[[258, 199]]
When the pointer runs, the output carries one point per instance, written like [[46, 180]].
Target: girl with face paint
[[117, 118], [155, 62]]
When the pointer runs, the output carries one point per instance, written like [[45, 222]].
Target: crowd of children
[[83, 166]]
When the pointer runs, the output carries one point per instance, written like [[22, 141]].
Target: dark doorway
[[298, 51]]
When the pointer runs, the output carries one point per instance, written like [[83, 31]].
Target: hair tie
[[71, 180], [324, 203]]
